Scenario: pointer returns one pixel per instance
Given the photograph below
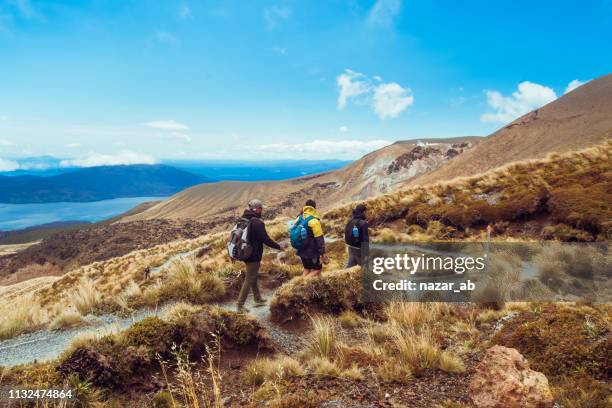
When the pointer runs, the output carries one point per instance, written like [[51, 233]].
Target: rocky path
[[45, 345]]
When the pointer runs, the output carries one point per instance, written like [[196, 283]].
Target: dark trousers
[[354, 257], [250, 283]]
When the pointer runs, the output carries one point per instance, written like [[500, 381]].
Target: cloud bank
[[124, 157], [167, 125], [344, 148], [8, 165]]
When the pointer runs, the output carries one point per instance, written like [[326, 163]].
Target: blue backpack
[[298, 232]]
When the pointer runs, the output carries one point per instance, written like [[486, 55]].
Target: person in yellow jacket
[[312, 253]]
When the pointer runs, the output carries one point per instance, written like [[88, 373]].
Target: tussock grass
[[323, 338], [25, 314], [86, 297], [66, 319], [412, 315], [350, 319], [184, 282], [180, 310], [418, 351], [324, 367], [450, 363], [262, 369]]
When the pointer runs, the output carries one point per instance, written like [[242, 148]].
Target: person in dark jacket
[[313, 251], [357, 237], [257, 237]]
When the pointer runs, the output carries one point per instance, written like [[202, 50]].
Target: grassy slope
[[434, 344]]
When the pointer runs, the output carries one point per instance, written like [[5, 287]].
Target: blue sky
[[138, 81]]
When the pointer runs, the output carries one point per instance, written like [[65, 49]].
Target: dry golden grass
[[323, 338], [324, 367], [25, 314], [263, 369], [418, 351], [66, 319], [86, 297], [450, 363], [350, 319]]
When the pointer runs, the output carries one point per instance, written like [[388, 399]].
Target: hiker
[[147, 272], [246, 244], [357, 237], [306, 235]]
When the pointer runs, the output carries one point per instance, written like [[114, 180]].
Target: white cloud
[[123, 157], [574, 84], [384, 12], [388, 100], [391, 99], [72, 145], [339, 148], [352, 84], [344, 129], [8, 165], [167, 125], [527, 97], [275, 15], [4, 142]]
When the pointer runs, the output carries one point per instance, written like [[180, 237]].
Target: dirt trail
[[46, 345]]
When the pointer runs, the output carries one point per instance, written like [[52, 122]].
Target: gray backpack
[[238, 246]]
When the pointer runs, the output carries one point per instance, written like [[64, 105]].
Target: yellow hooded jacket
[[314, 247]]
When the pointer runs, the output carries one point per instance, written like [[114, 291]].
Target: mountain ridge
[[97, 183]]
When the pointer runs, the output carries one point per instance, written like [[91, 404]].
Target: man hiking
[[252, 237], [306, 236], [357, 237]]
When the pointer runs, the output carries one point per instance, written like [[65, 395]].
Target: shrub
[[333, 292], [564, 232], [116, 360]]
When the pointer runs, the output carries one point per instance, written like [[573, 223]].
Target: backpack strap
[[306, 220]]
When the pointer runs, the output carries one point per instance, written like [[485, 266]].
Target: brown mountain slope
[[576, 120], [377, 172]]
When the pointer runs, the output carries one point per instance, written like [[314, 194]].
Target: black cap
[[311, 203]]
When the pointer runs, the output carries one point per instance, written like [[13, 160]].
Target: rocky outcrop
[[503, 379]]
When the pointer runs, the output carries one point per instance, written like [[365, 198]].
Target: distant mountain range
[[98, 183]]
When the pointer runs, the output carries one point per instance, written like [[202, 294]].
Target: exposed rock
[[503, 379]]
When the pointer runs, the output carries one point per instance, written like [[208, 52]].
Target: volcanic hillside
[[377, 172], [581, 118]]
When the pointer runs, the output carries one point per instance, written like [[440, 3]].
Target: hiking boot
[[242, 309], [261, 302]]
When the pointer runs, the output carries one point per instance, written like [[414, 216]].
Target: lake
[[19, 216]]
